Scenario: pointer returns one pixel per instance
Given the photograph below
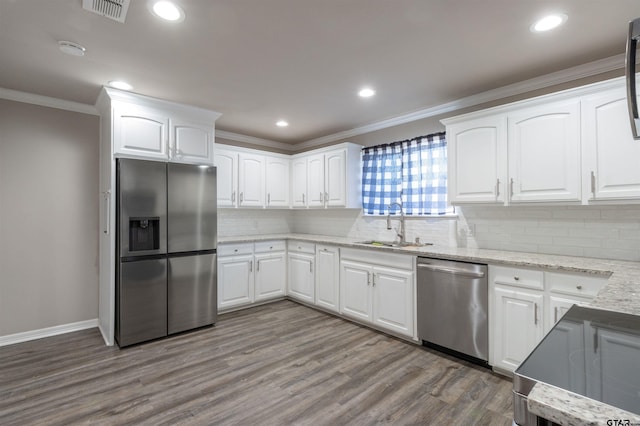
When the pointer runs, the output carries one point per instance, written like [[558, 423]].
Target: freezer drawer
[[192, 292], [142, 301]]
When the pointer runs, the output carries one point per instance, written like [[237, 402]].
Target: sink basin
[[379, 243]]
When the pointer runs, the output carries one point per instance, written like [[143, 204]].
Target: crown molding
[[570, 74], [254, 141], [46, 101]]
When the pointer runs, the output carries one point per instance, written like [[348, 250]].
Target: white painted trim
[[47, 332], [581, 71], [46, 101], [254, 141]]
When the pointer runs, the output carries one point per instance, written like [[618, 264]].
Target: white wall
[[48, 217]]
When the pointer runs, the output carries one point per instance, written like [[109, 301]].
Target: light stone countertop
[[621, 294]]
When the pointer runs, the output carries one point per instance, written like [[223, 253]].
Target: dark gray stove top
[[590, 352]]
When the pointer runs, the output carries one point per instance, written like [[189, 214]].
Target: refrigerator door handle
[[107, 212]]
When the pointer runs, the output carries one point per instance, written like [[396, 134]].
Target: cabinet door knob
[[235, 250], [579, 287], [517, 278]]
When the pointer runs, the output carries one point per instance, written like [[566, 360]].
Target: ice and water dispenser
[[144, 233]]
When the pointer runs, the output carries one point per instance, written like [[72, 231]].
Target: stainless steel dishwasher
[[452, 307]]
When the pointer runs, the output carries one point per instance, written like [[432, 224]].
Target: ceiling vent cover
[[112, 9]]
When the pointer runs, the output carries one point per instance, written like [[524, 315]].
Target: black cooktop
[[590, 352]]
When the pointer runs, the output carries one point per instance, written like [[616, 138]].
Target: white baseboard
[[47, 332]]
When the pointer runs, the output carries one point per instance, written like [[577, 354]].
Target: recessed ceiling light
[[549, 22], [71, 48], [119, 84], [282, 123], [366, 92], [167, 10]]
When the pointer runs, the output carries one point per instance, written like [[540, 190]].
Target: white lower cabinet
[[235, 280], [328, 277], [524, 304], [248, 273], [301, 262], [518, 326], [271, 270], [378, 288]]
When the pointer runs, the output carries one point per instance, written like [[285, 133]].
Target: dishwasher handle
[[450, 270]]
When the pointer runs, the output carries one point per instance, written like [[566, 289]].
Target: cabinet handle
[[251, 266], [269, 199], [303, 202], [311, 267], [373, 280], [535, 313], [517, 278], [233, 197], [579, 287], [107, 213], [555, 314], [368, 278], [511, 188], [235, 250], [497, 188], [593, 184], [257, 266], [326, 197], [241, 197], [321, 200]]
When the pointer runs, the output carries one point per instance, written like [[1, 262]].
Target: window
[[411, 172]]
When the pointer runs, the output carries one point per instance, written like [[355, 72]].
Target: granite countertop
[[621, 294]]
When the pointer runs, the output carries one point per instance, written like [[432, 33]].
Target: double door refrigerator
[[166, 249]]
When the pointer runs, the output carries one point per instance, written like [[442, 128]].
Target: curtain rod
[[431, 135]]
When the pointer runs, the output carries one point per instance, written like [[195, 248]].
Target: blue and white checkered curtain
[[413, 172], [381, 177], [424, 175]]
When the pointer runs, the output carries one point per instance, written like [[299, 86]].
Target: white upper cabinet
[[277, 181], [299, 182], [315, 180], [544, 153], [563, 148], [191, 142], [150, 128], [335, 181], [611, 156], [140, 131], [226, 163], [251, 185], [477, 152]]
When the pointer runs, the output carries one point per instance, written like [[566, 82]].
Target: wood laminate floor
[[275, 364]]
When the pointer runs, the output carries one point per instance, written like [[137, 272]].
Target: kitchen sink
[[381, 243]]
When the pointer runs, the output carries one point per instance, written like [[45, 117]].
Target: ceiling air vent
[[112, 9]]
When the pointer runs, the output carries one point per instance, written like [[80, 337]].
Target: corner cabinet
[[328, 277], [327, 178], [568, 148], [136, 126], [378, 288]]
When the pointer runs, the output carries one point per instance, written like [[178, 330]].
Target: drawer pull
[[535, 313], [579, 287], [517, 278]]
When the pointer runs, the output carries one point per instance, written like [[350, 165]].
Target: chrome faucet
[[402, 234]]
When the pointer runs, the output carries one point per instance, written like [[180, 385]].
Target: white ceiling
[[257, 61]]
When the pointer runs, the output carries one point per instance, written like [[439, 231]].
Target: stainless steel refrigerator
[[166, 249]]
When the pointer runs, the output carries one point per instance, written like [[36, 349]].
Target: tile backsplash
[[608, 232]]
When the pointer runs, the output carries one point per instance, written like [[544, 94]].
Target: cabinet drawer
[[527, 278], [269, 246], [584, 285], [233, 249], [301, 247]]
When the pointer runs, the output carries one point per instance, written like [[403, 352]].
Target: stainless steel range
[[591, 352]]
